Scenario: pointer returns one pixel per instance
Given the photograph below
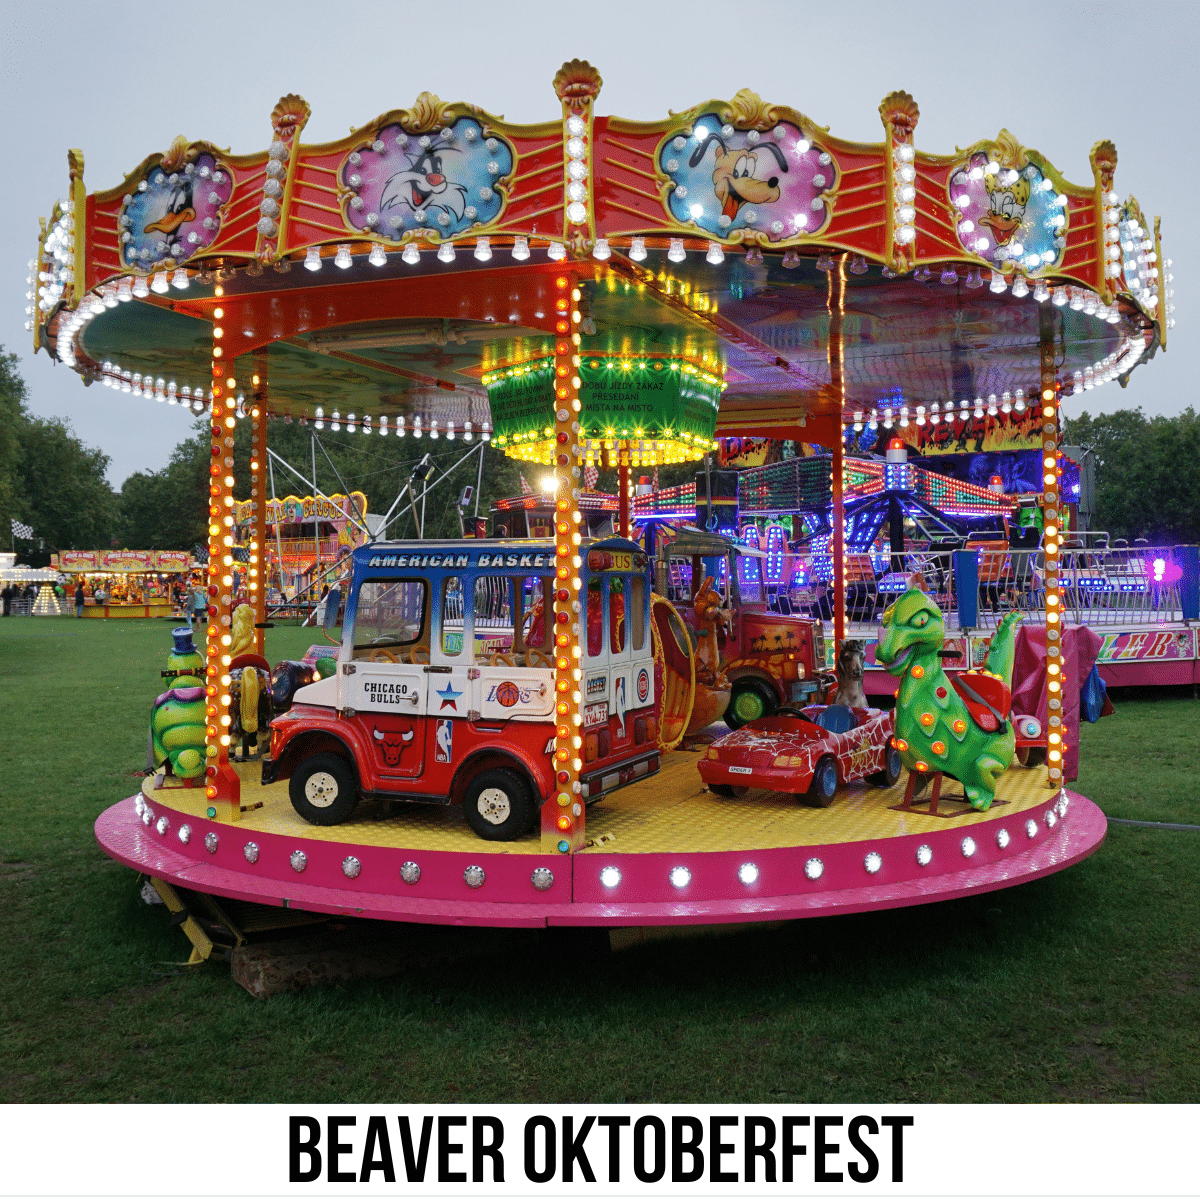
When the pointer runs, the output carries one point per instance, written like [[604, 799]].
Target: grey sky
[[1060, 76]]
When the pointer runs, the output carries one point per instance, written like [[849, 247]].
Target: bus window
[[391, 613], [493, 616], [617, 624], [595, 617], [537, 599], [637, 612], [453, 623]]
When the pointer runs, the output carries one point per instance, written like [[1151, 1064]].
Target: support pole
[[222, 786], [563, 819], [837, 544], [257, 577], [1051, 492], [479, 479], [623, 494], [836, 304]]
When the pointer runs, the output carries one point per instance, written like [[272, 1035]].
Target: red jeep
[[770, 656], [445, 685]]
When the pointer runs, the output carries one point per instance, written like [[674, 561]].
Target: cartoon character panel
[[778, 183], [447, 181], [1009, 212], [174, 212]]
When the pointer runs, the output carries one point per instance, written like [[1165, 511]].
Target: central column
[[222, 786], [563, 817]]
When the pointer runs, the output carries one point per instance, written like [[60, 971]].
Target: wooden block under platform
[[273, 968], [342, 951]]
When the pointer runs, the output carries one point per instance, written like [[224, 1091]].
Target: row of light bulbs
[[904, 212], [52, 277], [400, 427], [1079, 298], [160, 389]]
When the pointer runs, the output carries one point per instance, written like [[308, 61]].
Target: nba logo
[[443, 741]]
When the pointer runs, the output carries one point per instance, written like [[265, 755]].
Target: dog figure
[[735, 178]]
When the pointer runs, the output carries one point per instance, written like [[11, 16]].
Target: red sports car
[[806, 752]]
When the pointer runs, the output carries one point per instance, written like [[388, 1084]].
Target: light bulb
[[446, 252], [637, 249], [715, 254], [556, 251], [378, 256], [520, 249], [483, 249], [312, 260], [342, 258], [411, 254], [600, 250]]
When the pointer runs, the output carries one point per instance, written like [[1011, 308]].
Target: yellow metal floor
[[670, 811]]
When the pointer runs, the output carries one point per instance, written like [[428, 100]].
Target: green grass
[[1081, 986]]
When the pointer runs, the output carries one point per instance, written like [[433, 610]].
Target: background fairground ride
[[978, 548], [595, 291]]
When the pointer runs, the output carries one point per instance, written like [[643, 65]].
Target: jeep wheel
[[498, 805], [727, 790], [323, 789], [751, 699]]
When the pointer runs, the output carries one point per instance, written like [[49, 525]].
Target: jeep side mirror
[[333, 601]]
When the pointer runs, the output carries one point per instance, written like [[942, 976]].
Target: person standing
[[79, 598], [6, 594]]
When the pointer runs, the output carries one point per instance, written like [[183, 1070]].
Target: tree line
[[1147, 477], [1147, 473], [52, 481]]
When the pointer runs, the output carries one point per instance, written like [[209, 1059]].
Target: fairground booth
[[603, 291], [306, 538], [126, 583]]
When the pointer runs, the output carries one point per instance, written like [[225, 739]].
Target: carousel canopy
[[737, 268]]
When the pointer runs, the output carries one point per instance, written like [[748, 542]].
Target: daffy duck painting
[[179, 208]]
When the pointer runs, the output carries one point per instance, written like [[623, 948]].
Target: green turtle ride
[[177, 724]]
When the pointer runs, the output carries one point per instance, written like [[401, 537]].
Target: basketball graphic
[[643, 685], [508, 694]]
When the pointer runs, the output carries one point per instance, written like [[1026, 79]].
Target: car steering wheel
[[501, 659], [535, 657], [384, 656], [790, 711]]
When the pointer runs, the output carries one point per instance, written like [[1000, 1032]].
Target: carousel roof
[[398, 272]]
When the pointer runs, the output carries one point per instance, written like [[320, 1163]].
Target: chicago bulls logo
[[391, 746]]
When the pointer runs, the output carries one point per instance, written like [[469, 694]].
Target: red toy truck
[[444, 691], [770, 657]]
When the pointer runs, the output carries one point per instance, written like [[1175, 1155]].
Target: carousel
[[593, 291]]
